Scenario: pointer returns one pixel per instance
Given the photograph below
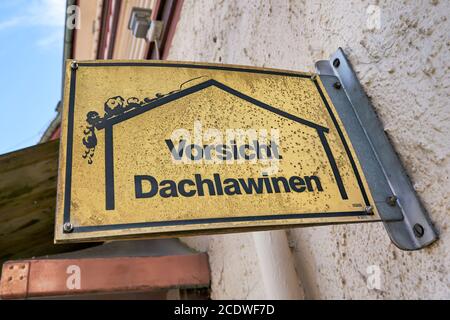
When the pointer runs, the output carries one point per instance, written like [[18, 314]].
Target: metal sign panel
[[163, 148]]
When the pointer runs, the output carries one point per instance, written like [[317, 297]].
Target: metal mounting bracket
[[404, 217]]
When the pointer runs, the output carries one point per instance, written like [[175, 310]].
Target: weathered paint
[[119, 181]]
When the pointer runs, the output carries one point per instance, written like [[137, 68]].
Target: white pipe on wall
[[277, 266]]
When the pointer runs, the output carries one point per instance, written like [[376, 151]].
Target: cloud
[[48, 14], [12, 22], [50, 40]]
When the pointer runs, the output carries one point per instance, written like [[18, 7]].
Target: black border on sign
[[69, 155]]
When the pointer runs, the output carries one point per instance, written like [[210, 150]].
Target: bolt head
[[67, 227], [74, 65], [337, 85], [369, 209], [419, 231], [336, 63], [391, 200]]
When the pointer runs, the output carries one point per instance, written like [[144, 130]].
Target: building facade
[[400, 53]]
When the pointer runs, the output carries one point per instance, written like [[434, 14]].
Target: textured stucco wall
[[403, 67]]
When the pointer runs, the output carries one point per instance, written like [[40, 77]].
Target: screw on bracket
[[336, 63], [419, 231], [67, 227], [391, 200], [337, 85]]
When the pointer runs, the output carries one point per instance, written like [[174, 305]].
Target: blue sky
[[31, 44]]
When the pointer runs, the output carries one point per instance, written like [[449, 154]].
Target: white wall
[[403, 67]]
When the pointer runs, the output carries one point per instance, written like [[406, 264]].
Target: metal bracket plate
[[404, 217]]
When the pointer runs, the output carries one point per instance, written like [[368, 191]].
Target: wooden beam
[[61, 277], [27, 203]]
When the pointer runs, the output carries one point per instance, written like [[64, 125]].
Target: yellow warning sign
[[164, 148]]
